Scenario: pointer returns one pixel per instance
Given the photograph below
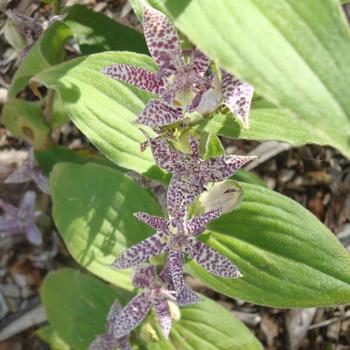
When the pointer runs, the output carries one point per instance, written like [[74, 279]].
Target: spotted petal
[[157, 114], [176, 267], [146, 277], [237, 96], [136, 76], [221, 168], [104, 342], [140, 252], [186, 297], [161, 37], [166, 157], [132, 315], [196, 225], [200, 61], [163, 313], [181, 192], [214, 262], [156, 222]]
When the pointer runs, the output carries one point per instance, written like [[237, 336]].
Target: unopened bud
[[226, 195]]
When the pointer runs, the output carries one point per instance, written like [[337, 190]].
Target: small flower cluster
[[21, 220], [184, 84]]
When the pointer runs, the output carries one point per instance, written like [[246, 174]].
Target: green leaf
[[96, 32], [213, 147], [207, 325], [48, 158], [266, 123], [248, 177], [49, 334], [287, 256], [93, 208], [104, 109], [25, 120], [47, 51], [76, 306], [295, 53]]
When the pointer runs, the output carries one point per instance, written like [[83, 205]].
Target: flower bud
[[226, 195]]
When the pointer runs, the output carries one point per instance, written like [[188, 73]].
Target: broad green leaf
[[93, 208], [47, 51], [249, 177], [207, 325], [48, 158], [25, 120], [49, 334], [295, 53], [104, 109], [96, 32], [266, 123], [59, 116], [76, 306], [287, 256]]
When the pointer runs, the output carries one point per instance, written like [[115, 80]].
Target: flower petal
[[139, 77], [104, 342], [146, 277], [20, 175], [8, 208], [33, 234], [157, 114], [41, 181], [181, 192], [196, 225], [176, 262], [163, 313], [200, 61], [237, 96], [140, 252], [220, 168], [214, 262], [123, 343], [186, 297], [167, 157], [161, 37], [156, 222], [132, 315], [27, 204]]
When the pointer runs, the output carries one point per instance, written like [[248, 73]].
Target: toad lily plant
[[175, 238], [158, 291], [182, 83], [196, 213]]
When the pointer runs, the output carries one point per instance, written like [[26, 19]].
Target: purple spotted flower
[[177, 81], [108, 341], [181, 82], [190, 173], [22, 219], [177, 237], [230, 91], [158, 290], [30, 171]]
